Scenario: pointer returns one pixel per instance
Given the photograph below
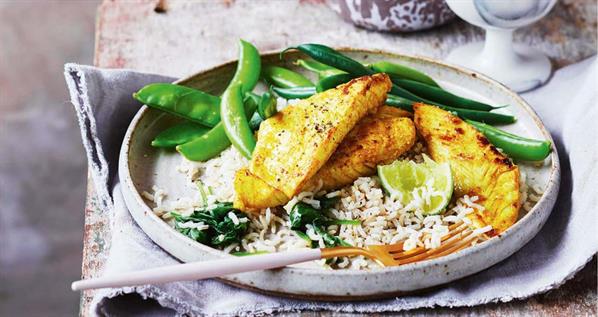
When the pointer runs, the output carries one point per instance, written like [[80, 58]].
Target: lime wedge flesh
[[429, 181]]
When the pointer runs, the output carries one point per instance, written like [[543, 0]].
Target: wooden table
[[179, 38]]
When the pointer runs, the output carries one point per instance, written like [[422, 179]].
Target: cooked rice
[[384, 220]]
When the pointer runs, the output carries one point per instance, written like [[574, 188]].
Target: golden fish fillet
[[296, 142], [253, 194], [376, 139], [478, 168]]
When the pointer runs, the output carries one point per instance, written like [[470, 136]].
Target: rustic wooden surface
[[179, 38]]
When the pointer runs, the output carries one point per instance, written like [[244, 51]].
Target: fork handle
[[200, 270]]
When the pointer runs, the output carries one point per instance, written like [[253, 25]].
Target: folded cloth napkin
[[102, 100]]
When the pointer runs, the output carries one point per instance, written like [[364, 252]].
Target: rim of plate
[[550, 191]]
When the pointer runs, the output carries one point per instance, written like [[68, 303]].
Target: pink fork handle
[[200, 270]]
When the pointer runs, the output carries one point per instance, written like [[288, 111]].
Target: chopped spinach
[[221, 230], [327, 203], [330, 240], [303, 214]]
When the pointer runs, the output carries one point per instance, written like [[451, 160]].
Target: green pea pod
[[295, 93], [181, 101], [330, 57], [206, 146], [321, 69], [401, 71], [285, 78], [248, 67], [332, 81], [179, 134], [440, 95], [267, 106], [484, 116], [214, 141], [251, 95], [514, 146], [236, 124]]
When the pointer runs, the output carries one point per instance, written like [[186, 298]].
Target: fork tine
[[419, 250], [446, 248], [398, 247], [460, 236], [422, 256], [393, 248], [456, 247]]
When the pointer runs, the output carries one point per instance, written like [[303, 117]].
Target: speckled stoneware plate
[[142, 166]]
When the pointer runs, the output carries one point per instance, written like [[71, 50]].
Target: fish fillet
[[376, 139], [478, 168], [296, 142]]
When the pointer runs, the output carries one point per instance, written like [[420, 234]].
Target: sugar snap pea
[[206, 146], [267, 105], [514, 146], [236, 123], [214, 141], [442, 96], [401, 71], [179, 134], [181, 101], [283, 77], [248, 67]]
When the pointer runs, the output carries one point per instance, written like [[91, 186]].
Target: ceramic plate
[[142, 166]]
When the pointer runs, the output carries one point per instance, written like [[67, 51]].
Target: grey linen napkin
[[103, 103]]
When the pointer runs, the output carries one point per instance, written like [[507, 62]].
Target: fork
[[459, 237]]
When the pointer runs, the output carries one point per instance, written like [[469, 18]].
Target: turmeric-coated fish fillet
[[253, 194], [478, 168], [296, 142], [376, 139]]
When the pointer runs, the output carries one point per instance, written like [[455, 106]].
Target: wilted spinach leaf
[[303, 214], [221, 230]]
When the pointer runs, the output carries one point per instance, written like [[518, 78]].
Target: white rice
[[384, 220], [194, 225]]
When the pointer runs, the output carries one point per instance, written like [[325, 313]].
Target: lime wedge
[[427, 186]]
